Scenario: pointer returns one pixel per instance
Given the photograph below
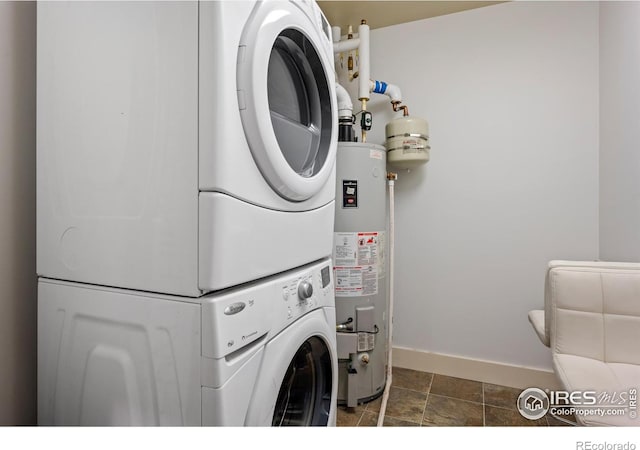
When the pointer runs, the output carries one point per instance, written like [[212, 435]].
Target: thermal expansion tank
[[359, 254]]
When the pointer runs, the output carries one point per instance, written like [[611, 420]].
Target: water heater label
[[357, 259], [355, 281], [366, 342], [376, 154], [345, 249], [349, 193], [368, 249]]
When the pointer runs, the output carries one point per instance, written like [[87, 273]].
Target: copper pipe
[[363, 132], [396, 107]]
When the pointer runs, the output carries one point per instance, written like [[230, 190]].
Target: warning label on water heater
[[355, 281], [368, 248], [357, 263]]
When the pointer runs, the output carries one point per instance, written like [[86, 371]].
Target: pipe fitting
[[336, 33], [345, 106], [345, 326], [390, 90], [397, 107]]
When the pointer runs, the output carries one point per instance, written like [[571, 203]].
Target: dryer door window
[[304, 398], [299, 103], [286, 98]]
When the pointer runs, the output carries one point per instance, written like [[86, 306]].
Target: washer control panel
[[235, 318], [306, 290]]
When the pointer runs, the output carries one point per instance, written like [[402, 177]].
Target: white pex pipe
[[361, 43], [390, 90], [346, 45], [335, 35], [392, 226], [363, 66], [345, 106]]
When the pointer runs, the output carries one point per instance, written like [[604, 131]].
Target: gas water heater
[[363, 274], [359, 256]]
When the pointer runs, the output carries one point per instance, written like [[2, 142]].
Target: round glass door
[[286, 97], [298, 102], [304, 398]]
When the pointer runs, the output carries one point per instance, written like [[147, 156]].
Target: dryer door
[[297, 383], [286, 96]]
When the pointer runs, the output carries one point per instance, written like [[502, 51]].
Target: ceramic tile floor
[[426, 399]]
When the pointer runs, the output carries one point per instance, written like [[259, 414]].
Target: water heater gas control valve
[[305, 290]]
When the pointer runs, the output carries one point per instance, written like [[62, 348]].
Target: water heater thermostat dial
[[305, 290]]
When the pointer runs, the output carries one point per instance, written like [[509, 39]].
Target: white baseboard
[[474, 369]]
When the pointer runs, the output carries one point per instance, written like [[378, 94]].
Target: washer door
[[286, 96], [297, 383], [304, 398]]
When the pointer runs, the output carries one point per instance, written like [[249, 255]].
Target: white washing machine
[[263, 354], [183, 147]]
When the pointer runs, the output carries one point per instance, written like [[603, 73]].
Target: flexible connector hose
[[385, 395]]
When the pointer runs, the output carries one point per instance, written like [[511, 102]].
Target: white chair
[[591, 322]]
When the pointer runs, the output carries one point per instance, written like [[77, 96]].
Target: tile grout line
[[424, 412], [412, 390], [428, 393], [457, 398], [484, 420], [503, 407], [360, 419], [426, 401], [507, 409], [404, 419]]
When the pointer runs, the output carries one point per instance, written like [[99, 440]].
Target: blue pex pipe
[[380, 87]]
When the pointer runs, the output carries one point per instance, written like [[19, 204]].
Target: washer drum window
[[304, 398]]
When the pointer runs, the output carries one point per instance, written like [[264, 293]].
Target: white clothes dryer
[[183, 147], [260, 355]]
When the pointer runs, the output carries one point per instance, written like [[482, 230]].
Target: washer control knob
[[305, 290]]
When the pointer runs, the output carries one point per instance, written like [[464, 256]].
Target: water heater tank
[[359, 256], [407, 142]]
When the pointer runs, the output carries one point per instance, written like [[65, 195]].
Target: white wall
[[620, 131], [511, 94], [17, 213]]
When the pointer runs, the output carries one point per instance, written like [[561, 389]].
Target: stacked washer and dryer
[[185, 210]]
